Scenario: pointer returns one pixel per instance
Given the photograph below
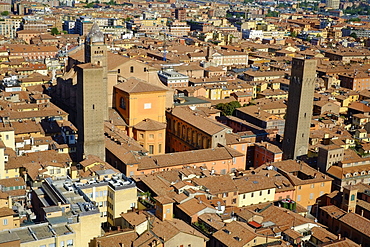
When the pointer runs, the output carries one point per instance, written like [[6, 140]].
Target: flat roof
[[191, 101]]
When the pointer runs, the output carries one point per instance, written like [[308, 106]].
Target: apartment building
[[257, 116], [42, 234], [186, 130], [60, 201], [266, 153], [356, 81], [309, 183], [112, 193]]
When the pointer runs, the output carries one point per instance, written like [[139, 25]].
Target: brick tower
[[92, 107], [299, 111]]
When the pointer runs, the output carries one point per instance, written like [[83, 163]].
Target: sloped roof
[[150, 125], [134, 85]]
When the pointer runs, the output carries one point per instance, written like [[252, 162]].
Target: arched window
[[178, 132], [122, 103], [183, 132], [352, 197]]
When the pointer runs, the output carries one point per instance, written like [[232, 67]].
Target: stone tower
[[349, 199], [299, 111], [96, 53], [91, 104]]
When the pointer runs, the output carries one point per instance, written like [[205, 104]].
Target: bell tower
[[96, 53], [95, 47], [349, 199], [91, 103]]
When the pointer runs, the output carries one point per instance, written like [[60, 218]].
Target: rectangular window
[[312, 186], [5, 222], [298, 198], [268, 192], [70, 242], [151, 149], [151, 136], [147, 105], [159, 148], [252, 195], [62, 244], [311, 196]]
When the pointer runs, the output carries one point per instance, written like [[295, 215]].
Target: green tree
[[293, 34], [89, 5], [354, 35], [5, 13], [228, 108], [54, 31], [272, 14], [354, 20]]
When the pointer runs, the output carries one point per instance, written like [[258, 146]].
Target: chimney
[[339, 236], [219, 206]]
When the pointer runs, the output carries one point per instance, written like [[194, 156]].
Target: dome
[[95, 35]]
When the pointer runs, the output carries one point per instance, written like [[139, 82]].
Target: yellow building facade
[[143, 107]]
